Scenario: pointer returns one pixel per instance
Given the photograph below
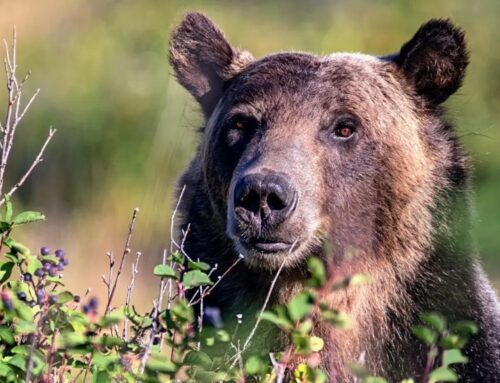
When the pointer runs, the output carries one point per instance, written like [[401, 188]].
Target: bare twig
[[211, 288], [29, 366], [152, 335], [172, 219], [37, 160], [130, 288], [126, 251], [14, 114]]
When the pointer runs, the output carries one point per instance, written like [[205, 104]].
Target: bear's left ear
[[203, 60], [434, 60]]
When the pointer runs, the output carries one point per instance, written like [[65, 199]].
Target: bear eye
[[243, 122], [240, 128], [345, 128]]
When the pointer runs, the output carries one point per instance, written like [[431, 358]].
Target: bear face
[[299, 148], [298, 151]]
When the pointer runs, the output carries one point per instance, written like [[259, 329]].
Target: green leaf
[[51, 259], [24, 312], [195, 278], [278, 321], [5, 226], [111, 341], [452, 341], [6, 271], [198, 265], [6, 335], [18, 361], [5, 370], [27, 217], [374, 379], [453, 356], [425, 334], [443, 374], [360, 279], [64, 297], [316, 343], [256, 365], [33, 265], [317, 270], [358, 370], [101, 377], [305, 327], [222, 336], [435, 320], [17, 247], [338, 319], [198, 358], [23, 350], [182, 311], [164, 271], [465, 328], [177, 257], [113, 318], [159, 363], [24, 327], [300, 306]]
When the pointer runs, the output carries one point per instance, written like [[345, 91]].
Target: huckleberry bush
[[49, 334]]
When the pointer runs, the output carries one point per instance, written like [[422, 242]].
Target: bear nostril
[[250, 201], [275, 202]]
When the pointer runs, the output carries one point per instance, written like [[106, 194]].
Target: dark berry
[[7, 300], [93, 303], [45, 250], [27, 277], [39, 273], [21, 295], [47, 266], [85, 309], [76, 298], [65, 261], [52, 299], [59, 253], [60, 267], [53, 271], [40, 294]]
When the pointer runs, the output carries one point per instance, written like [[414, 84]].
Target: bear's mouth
[[264, 245]]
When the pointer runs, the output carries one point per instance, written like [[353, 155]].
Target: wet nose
[[264, 199]]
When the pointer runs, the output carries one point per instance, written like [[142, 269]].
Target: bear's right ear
[[203, 60], [434, 60]]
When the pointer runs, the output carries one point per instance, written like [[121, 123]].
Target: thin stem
[[126, 251]]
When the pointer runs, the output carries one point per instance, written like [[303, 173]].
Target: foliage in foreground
[[49, 334]]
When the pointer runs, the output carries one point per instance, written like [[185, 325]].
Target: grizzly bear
[[299, 149]]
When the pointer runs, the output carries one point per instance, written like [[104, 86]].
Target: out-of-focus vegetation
[[125, 128]]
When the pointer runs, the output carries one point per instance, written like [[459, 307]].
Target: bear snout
[[264, 199], [263, 202]]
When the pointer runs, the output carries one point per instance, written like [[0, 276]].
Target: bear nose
[[264, 198]]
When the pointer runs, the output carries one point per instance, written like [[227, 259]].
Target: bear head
[[297, 148]]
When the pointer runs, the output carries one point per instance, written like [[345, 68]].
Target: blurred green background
[[126, 129]]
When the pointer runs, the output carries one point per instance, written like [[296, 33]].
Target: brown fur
[[392, 199]]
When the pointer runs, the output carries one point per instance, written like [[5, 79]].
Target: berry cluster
[[91, 306], [51, 266]]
